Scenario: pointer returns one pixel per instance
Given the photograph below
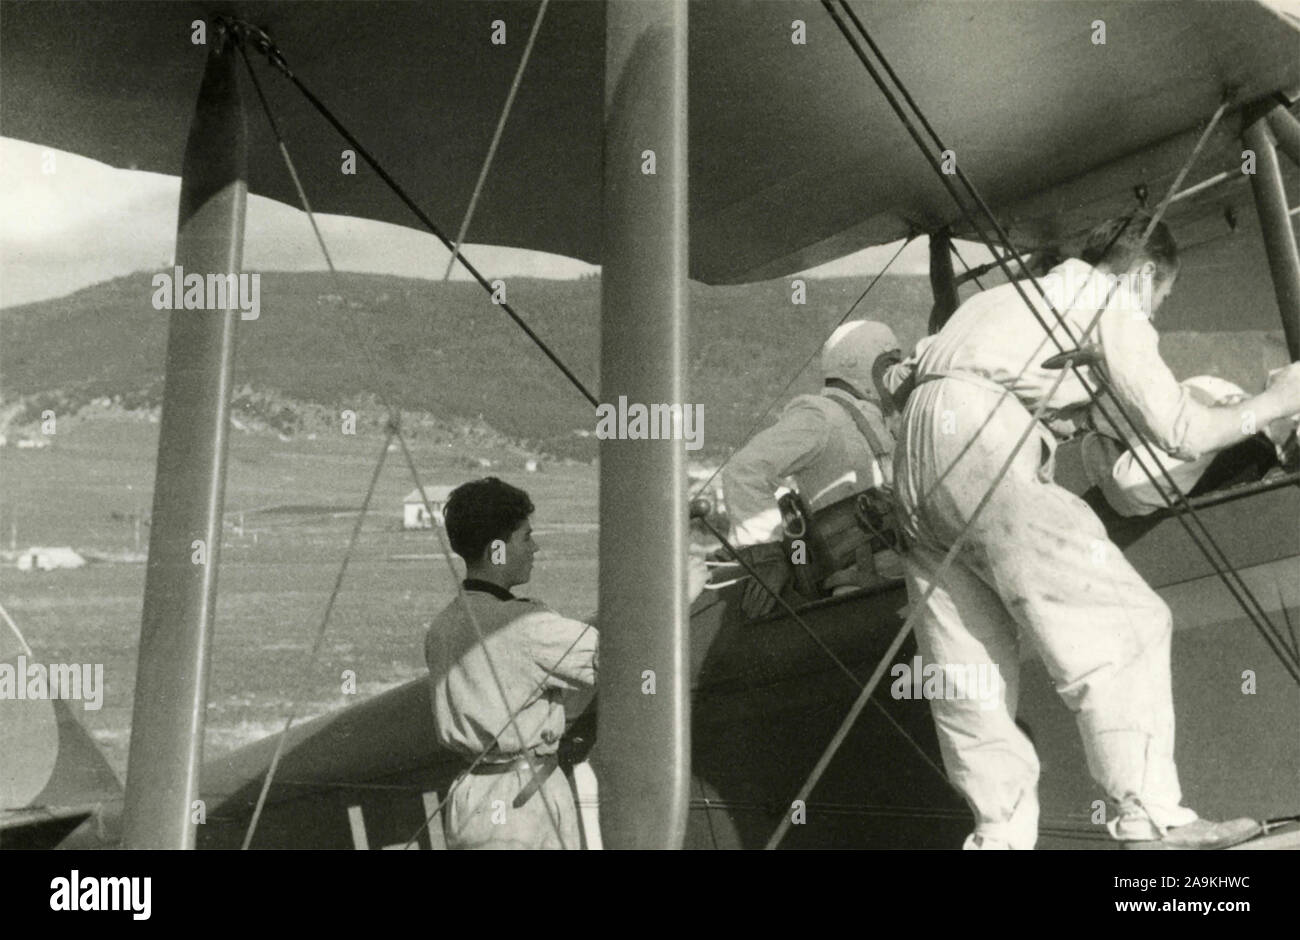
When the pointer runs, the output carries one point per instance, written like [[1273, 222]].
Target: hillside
[[448, 351]]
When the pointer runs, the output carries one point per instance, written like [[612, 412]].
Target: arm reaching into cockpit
[[1115, 465], [1173, 418]]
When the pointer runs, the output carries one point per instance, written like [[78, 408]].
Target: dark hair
[[481, 511], [1117, 243]]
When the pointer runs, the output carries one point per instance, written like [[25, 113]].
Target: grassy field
[[274, 578]]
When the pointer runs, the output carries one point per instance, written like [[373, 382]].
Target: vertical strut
[[643, 750], [1275, 224], [1286, 128], [180, 594], [943, 283]]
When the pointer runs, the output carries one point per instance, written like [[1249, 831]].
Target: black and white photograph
[[647, 425]]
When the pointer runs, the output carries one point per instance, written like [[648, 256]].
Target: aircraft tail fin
[[52, 774]]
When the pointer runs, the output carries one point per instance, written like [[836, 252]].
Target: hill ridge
[[450, 353]]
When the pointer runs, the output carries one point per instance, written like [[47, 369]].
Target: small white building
[[47, 559], [415, 516]]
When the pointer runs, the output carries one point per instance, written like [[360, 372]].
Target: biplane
[[785, 134]]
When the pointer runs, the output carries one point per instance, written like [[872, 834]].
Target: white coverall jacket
[[814, 441], [1110, 458], [1038, 568], [524, 640]]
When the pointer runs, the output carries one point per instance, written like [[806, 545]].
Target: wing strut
[[1274, 216], [180, 590], [943, 283], [1173, 496], [643, 744]]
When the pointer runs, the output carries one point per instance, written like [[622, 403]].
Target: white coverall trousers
[[481, 812], [1037, 568]]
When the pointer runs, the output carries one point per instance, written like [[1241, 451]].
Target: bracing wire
[[888, 657], [283, 737], [830, 653], [496, 139], [1186, 514], [966, 267], [853, 714], [758, 422], [395, 429], [276, 58]]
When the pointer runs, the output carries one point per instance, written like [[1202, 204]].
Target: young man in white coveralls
[[1038, 567], [512, 795]]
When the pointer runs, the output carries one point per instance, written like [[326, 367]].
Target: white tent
[[47, 559]]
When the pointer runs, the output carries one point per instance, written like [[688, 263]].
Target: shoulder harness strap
[[875, 437]]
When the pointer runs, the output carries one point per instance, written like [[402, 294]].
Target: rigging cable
[[1177, 501], [888, 657], [1183, 510], [282, 738], [18, 633], [850, 719], [276, 58], [753, 428], [496, 139], [395, 428], [974, 275], [865, 690]]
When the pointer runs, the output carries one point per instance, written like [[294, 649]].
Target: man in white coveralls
[[514, 797], [1038, 567]]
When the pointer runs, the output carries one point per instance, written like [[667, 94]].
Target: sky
[[70, 222]]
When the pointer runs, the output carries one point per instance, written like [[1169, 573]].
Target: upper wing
[[795, 156]]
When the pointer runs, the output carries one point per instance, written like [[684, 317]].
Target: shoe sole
[[1157, 845]]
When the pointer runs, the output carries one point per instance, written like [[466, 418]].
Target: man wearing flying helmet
[[834, 446]]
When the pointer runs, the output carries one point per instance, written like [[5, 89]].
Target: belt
[[969, 377], [1048, 438], [545, 764]]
